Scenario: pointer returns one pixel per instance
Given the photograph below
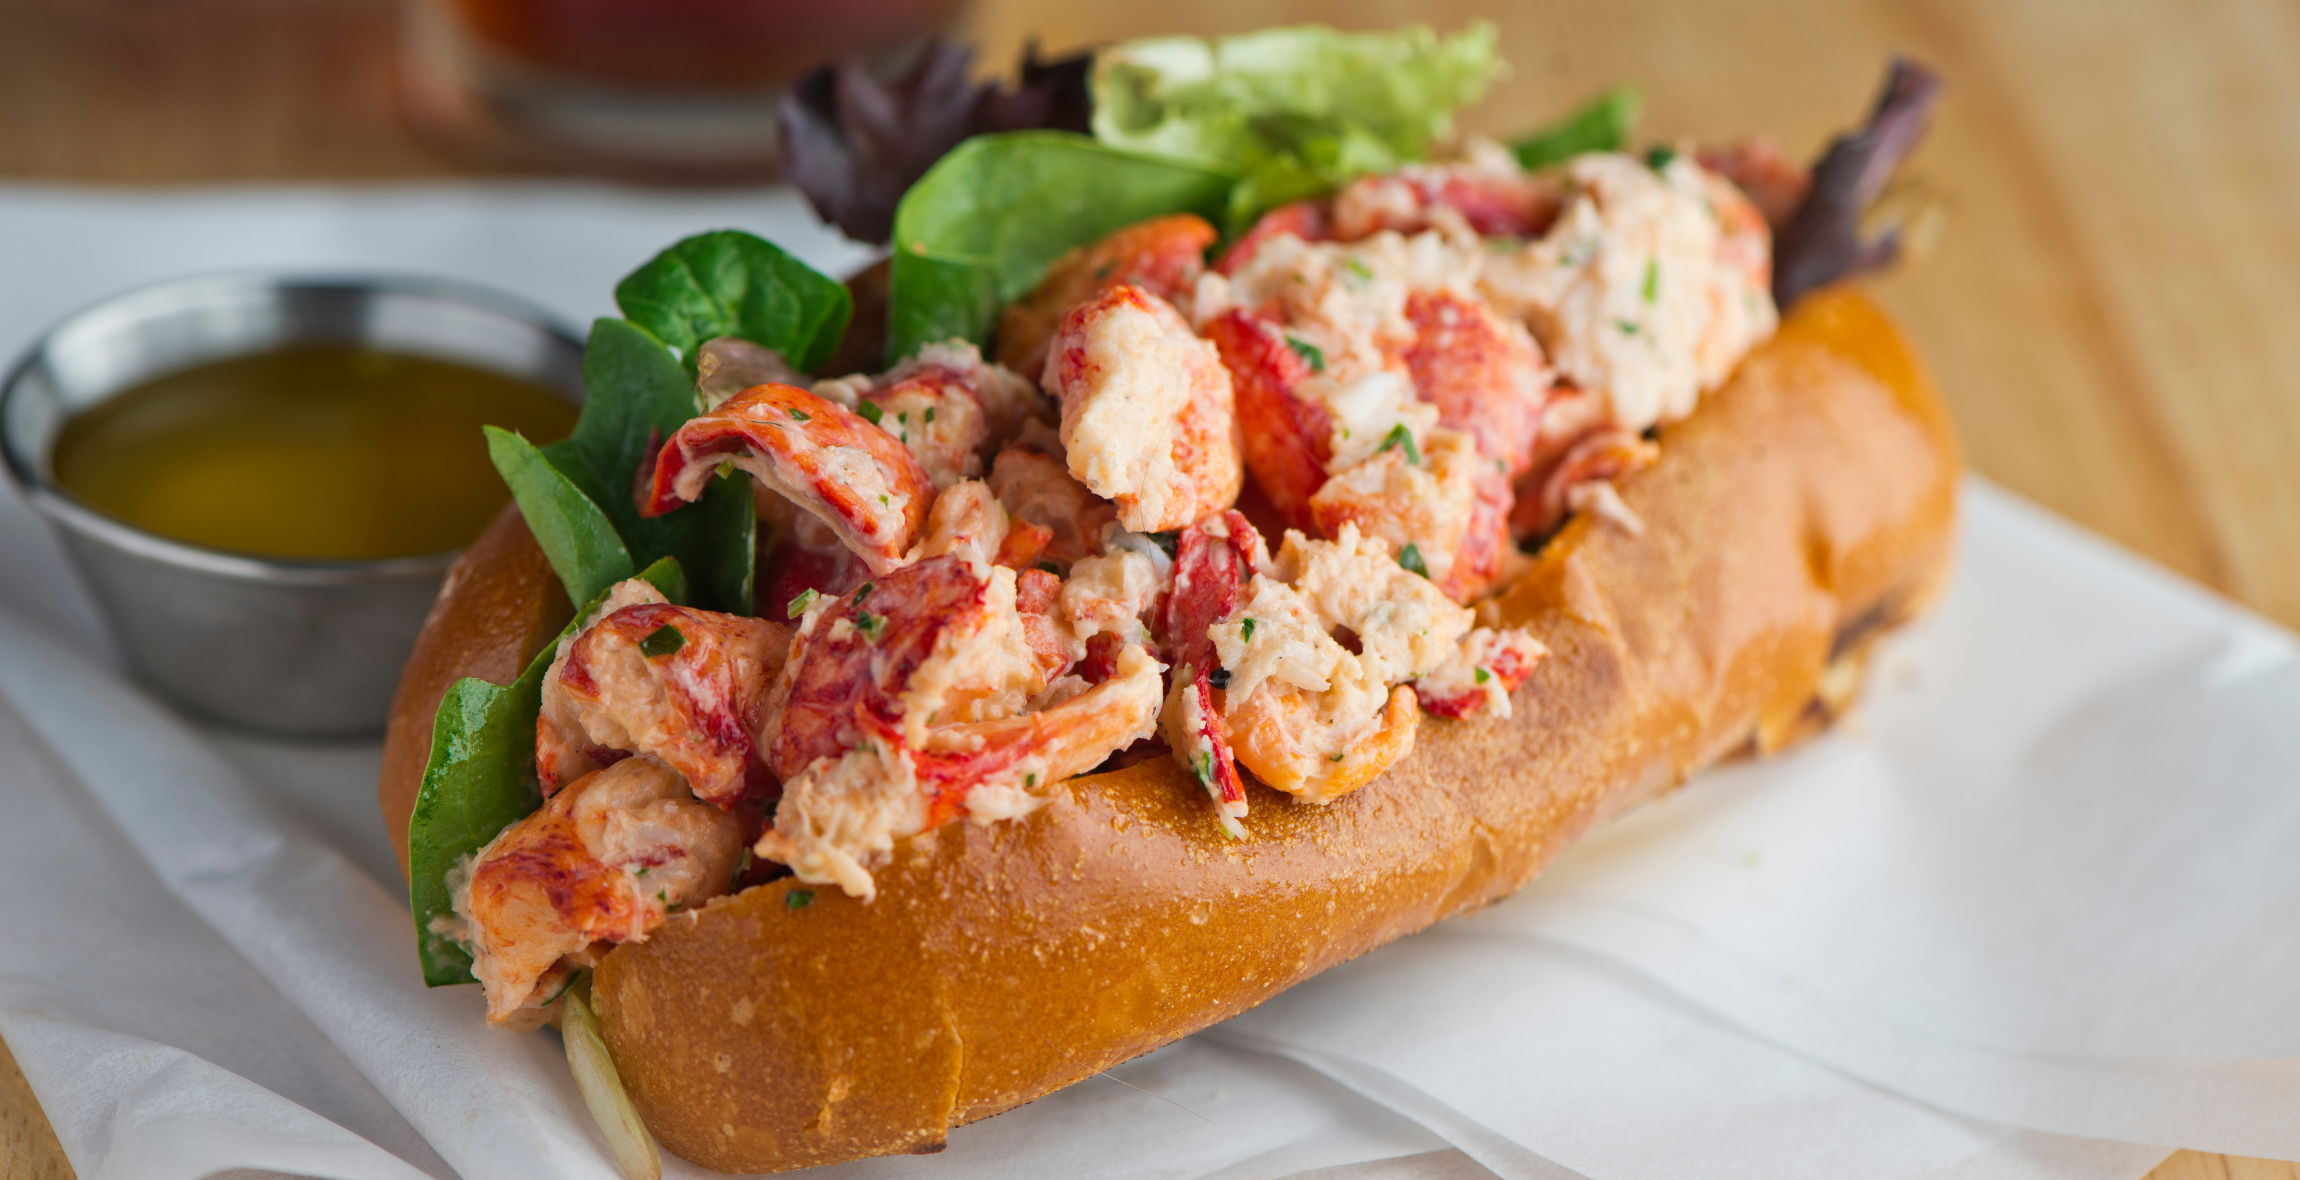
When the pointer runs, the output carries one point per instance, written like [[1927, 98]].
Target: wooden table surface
[[2114, 313]]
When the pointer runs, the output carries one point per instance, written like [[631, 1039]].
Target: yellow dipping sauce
[[325, 452]]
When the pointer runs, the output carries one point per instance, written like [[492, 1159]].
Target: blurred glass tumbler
[[669, 91]]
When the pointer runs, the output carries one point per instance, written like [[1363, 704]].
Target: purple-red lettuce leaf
[[855, 138], [1822, 242]]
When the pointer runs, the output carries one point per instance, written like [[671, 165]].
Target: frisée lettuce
[[1290, 112]]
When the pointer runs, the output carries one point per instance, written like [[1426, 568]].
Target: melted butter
[[323, 452]]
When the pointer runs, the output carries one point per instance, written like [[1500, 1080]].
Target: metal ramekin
[[310, 648]]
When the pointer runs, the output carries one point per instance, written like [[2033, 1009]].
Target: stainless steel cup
[[295, 647]]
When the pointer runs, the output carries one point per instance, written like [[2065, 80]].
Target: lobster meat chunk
[[819, 455], [1489, 196], [948, 405], [603, 861], [1285, 435], [1212, 563], [842, 815], [1163, 256], [1148, 418], [1037, 487], [1484, 374], [1488, 667], [1581, 478], [681, 685]]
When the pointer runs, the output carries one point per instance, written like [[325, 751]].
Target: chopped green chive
[[1029, 780], [863, 591], [1399, 436], [1483, 676], [799, 899], [1358, 268], [883, 500], [1652, 279], [1660, 157], [802, 415], [1170, 541], [1311, 354], [662, 641], [1246, 629], [1411, 558], [742, 865], [799, 606], [1204, 769], [929, 419], [1628, 327], [1335, 758], [642, 870], [1049, 567], [872, 626], [870, 412]]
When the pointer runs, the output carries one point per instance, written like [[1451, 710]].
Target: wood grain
[[2113, 314], [28, 1147]]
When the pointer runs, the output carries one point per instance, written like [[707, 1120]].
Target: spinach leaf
[[1601, 125], [636, 395], [978, 230], [479, 781], [934, 299], [730, 283], [729, 527], [576, 536]]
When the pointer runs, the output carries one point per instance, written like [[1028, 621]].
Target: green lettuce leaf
[[730, 283], [637, 395], [1290, 112], [1601, 125], [728, 559], [978, 230], [577, 538], [480, 780]]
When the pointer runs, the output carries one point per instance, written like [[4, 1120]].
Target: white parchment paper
[[2028, 914]]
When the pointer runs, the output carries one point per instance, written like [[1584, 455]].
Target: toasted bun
[[1803, 509]]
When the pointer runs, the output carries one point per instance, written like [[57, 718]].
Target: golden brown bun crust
[[499, 604], [1805, 506]]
